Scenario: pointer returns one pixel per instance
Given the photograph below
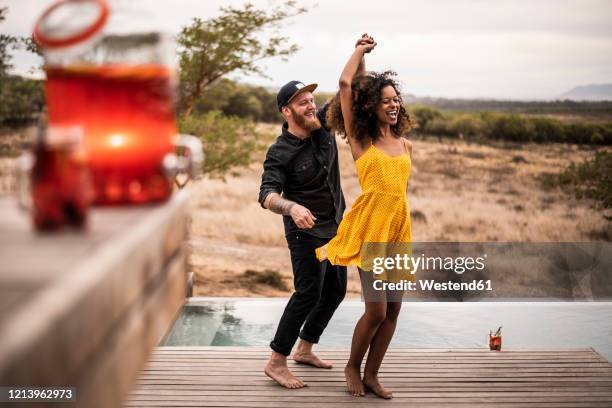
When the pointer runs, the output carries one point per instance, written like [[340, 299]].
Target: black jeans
[[319, 289]]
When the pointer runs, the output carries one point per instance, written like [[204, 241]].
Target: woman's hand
[[366, 43], [354, 66]]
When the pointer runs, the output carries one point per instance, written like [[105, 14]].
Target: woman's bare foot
[[279, 372], [310, 358], [353, 382], [376, 387]]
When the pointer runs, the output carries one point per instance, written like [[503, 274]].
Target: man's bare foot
[[310, 358], [376, 387], [353, 382], [280, 373]]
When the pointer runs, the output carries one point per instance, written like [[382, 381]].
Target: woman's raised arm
[[353, 67]]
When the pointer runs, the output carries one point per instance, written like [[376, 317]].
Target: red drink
[[60, 180], [127, 116], [495, 342]]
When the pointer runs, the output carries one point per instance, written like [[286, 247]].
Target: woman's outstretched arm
[[363, 40], [351, 69]]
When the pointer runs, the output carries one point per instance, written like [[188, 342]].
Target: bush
[[229, 142], [425, 115], [511, 127], [466, 125], [439, 127], [548, 130], [21, 99], [233, 99], [591, 179], [268, 277]]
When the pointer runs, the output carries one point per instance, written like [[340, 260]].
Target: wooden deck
[[233, 377], [85, 308]]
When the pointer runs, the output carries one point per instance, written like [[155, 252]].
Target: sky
[[501, 49]]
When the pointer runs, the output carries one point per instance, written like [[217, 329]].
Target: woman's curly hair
[[367, 94]]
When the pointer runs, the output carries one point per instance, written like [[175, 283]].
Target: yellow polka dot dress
[[380, 214]]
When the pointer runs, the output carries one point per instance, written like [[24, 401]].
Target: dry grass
[[12, 141], [458, 192]]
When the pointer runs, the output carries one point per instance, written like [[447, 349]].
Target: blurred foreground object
[[117, 85], [54, 182], [85, 310]]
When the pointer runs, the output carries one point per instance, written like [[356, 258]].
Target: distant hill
[[592, 92]]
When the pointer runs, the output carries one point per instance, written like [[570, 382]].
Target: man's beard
[[305, 122]]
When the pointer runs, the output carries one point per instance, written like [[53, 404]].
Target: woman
[[368, 111]]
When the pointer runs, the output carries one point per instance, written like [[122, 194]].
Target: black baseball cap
[[290, 90]]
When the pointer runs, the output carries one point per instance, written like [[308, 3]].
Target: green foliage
[[595, 108], [11, 42], [250, 102], [545, 129], [425, 114], [246, 101], [229, 142], [510, 127], [21, 99], [466, 126], [7, 42], [591, 179], [210, 49]]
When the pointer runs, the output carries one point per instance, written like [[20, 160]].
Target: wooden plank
[[181, 365], [343, 351], [431, 386], [232, 377], [376, 403], [367, 402], [351, 400], [483, 353]]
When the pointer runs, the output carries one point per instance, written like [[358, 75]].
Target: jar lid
[[69, 22]]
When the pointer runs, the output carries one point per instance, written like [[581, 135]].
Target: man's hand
[[302, 216]]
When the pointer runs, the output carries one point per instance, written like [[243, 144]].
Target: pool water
[[252, 322]]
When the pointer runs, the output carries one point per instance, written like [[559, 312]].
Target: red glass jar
[[117, 86]]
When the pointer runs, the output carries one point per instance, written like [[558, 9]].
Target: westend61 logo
[[464, 271]]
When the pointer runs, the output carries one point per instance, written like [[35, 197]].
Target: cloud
[[457, 48]]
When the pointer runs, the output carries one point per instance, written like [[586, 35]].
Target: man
[[302, 165]]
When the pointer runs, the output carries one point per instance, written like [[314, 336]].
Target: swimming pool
[[252, 322]]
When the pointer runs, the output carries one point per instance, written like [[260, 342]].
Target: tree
[[20, 98], [7, 42], [210, 49], [229, 141]]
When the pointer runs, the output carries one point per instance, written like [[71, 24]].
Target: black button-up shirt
[[306, 171]]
